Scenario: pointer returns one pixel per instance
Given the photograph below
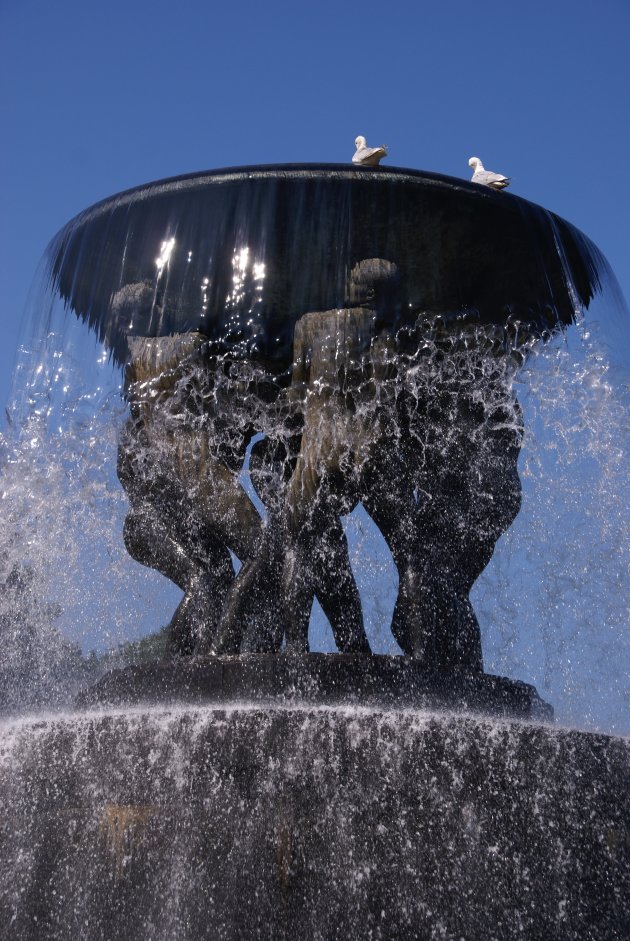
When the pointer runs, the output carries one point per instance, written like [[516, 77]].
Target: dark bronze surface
[[316, 679]]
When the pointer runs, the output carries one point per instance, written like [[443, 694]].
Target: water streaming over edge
[[553, 603]]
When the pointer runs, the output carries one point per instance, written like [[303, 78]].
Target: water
[[393, 404], [495, 304], [306, 822]]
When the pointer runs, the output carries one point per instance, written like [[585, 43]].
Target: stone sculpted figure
[[445, 487], [335, 375], [187, 507], [334, 389], [419, 425]]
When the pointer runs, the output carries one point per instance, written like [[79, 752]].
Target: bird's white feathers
[[495, 181], [367, 156]]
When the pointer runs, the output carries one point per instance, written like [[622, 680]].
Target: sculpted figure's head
[[374, 282]]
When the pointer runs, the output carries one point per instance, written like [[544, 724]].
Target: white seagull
[[368, 156], [495, 181]]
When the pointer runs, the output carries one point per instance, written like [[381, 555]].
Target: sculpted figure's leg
[[205, 583], [303, 552], [433, 620], [331, 367], [186, 505], [317, 563], [441, 508], [490, 499], [227, 509], [297, 594], [253, 615], [316, 559], [472, 495], [337, 591], [230, 520], [389, 499], [450, 637]]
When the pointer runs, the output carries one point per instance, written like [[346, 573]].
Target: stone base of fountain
[[318, 679], [320, 823]]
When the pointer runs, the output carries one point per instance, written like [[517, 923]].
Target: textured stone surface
[[311, 823], [317, 679]]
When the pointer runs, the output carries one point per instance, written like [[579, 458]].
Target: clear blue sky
[[98, 97]]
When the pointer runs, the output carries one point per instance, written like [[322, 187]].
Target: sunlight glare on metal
[[166, 250]]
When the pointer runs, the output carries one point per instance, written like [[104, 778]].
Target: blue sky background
[[100, 97]]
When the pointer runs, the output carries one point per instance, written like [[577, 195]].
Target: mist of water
[[553, 603]]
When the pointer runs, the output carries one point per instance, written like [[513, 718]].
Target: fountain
[[280, 351]]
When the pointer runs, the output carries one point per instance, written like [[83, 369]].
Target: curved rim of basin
[[86, 276], [289, 171]]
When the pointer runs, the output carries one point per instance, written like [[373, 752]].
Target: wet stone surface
[[244, 822]]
